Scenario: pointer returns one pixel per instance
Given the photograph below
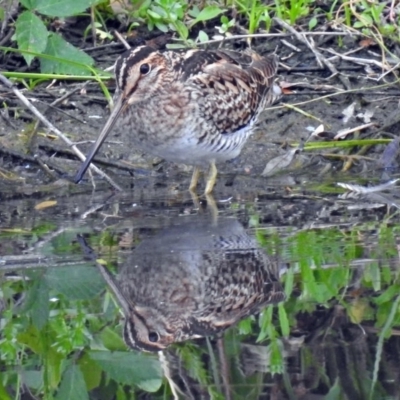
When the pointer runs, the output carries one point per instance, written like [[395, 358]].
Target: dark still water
[[159, 297]]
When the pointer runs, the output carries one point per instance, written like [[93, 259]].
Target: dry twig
[[322, 60], [52, 128]]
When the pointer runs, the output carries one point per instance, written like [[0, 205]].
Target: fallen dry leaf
[[45, 204]]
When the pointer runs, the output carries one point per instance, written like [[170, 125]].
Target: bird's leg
[[212, 178], [212, 206], [195, 178]]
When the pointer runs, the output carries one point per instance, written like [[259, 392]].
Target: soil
[[312, 96]]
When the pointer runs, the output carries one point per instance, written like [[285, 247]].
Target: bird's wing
[[234, 87]]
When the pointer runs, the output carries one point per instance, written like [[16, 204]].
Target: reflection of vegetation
[[60, 334]]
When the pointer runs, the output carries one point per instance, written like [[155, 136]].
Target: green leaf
[[334, 392], [130, 368], [91, 371], [182, 29], [41, 344], [207, 13], [312, 23], [72, 385], [387, 295], [203, 37], [289, 279], [161, 26], [244, 326], [58, 47], [283, 320], [112, 340], [76, 283], [40, 309], [36, 303], [31, 338], [31, 34], [29, 4], [3, 392], [153, 14], [33, 379], [60, 8], [276, 360]]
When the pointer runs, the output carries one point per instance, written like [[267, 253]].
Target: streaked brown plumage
[[194, 106], [191, 280]]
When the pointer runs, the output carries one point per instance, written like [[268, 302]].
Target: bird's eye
[[153, 337], [144, 69]]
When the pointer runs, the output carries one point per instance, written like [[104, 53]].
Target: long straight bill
[[118, 108]]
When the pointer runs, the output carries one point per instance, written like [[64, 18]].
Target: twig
[[360, 61], [52, 128], [344, 133], [122, 40], [53, 105], [28, 261], [322, 60], [268, 35], [292, 107]]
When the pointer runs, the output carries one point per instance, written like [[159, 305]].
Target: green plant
[[33, 38], [174, 15], [226, 24], [370, 18], [255, 11], [292, 10]]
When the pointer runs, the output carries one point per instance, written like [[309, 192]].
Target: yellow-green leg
[[212, 178], [195, 179]]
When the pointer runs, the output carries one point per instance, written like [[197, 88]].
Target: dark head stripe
[[127, 60]]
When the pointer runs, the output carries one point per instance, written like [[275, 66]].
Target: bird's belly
[[188, 150], [188, 141]]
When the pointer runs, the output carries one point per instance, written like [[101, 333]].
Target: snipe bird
[[194, 106], [193, 279]]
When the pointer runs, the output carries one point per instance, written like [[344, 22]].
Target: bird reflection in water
[[193, 279]]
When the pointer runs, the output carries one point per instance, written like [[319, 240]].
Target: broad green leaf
[[29, 4], [91, 371], [31, 34], [3, 393], [112, 340], [58, 47], [41, 343], [31, 338], [36, 303], [75, 282], [194, 12], [33, 379], [387, 295], [41, 308], [54, 361], [334, 392], [60, 8], [207, 13], [72, 385], [203, 37], [130, 368]]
